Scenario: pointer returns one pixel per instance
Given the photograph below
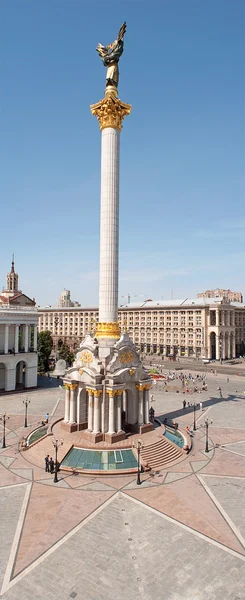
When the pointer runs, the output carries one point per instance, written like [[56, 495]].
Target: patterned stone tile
[[230, 494], [96, 486], [26, 473], [53, 512], [226, 463], [11, 500], [6, 461], [186, 501], [199, 464], [174, 477]]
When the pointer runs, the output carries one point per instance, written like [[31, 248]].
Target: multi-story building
[[18, 337], [64, 300], [200, 328], [219, 293]]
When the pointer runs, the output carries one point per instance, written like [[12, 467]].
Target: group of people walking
[[49, 464]]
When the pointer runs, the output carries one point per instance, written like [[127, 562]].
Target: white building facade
[[18, 347], [210, 328], [18, 337]]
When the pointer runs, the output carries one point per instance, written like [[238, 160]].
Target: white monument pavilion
[[107, 387]]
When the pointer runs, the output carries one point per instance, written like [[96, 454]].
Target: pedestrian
[[152, 399], [200, 405], [51, 465], [184, 403], [47, 417], [47, 463], [228, 379], [220, 393]]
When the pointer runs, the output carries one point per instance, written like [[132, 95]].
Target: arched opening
[[2, 376], [20, 375], [129, 412], [82, 407], [213, 345]]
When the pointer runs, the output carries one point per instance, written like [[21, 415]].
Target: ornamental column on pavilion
[[107, 387]]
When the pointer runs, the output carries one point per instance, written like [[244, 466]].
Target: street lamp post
[[56, 444], [139, 446], [207, 423], [26, 402], [194, 412], [4, 417]]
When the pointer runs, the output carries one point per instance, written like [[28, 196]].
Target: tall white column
[[67, 405], [73, 405], [109, 226], [96, 428], [6, 339], [140, 405], [119, 412], [26, 337], [35, 338], [111, 427], [90, 410], [16, 339]]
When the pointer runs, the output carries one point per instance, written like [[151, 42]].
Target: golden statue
[[110, 56]]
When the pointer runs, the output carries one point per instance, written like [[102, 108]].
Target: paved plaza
[[178, 536]]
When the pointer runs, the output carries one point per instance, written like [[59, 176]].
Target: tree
[[65, 353], [44, 347]]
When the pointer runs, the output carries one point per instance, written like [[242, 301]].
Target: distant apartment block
[[219, 293]]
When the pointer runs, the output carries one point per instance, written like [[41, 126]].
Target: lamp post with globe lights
[[56, 443], [26, 402], [4, 417], [139, 447], [207, 423]]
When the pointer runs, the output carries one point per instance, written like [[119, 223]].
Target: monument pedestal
[[111, 438]]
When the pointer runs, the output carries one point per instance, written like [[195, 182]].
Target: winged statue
[[110, 56]]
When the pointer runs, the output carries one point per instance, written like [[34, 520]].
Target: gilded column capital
[[67, 386], [119, 392], [111, 393], [73, 386], [97, 393], [110, 112], [108, 330], [147, 387], [90, 391], [140, 387]]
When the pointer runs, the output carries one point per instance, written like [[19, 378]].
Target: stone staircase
[[35, 454], [160, 454]]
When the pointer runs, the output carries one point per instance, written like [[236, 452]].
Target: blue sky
[[182, 215]]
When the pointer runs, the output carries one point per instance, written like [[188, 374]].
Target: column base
[[93, 437], [111, 438], [70, 427], [146, 427]]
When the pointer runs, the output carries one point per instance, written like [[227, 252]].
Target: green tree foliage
[[44, 347], [65, 353]]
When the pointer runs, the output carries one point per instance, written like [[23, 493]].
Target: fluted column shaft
[[90, 410], [109, 225], [111, 427], [140, 408], [67, 405], [73, 406], [119, 412], [6, 339], [16, 339], [146, 406], [96, 414]]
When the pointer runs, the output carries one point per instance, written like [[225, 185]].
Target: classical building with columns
[[203, 327], [18, 337]]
